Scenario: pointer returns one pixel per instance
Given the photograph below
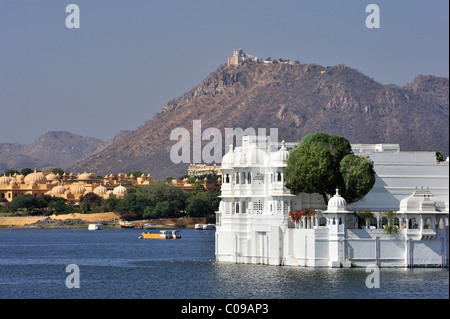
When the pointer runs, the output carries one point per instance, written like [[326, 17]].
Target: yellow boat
[[163, 234]]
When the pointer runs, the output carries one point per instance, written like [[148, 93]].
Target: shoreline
[[107, 220]]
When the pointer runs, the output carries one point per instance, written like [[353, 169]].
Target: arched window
[[278, 177], [243, 178], [440, 222], [249, 178], [244, 207], [286, 207], [403, 223], [413, 223], [227, 178], [237, 207], [427, 224], [237, 178]]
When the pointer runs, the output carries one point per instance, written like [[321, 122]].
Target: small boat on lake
[[204, 226], [95, 227], [163, 234]]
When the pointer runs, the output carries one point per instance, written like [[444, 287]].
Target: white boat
[[205, 226], [95, 227]]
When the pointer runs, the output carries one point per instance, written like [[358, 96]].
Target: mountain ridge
[[297, 99], [51, 149]]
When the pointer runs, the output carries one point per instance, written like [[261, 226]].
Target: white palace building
[[253, 223]]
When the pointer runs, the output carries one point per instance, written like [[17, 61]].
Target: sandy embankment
[[27, 220], [99, 218]]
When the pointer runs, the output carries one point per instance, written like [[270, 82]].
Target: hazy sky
[[130, 57]]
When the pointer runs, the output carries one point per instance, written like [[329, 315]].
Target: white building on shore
[[253, 223]]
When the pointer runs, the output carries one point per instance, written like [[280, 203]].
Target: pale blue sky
[[130, 57]]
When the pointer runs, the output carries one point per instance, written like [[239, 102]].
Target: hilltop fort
[[240, 56]]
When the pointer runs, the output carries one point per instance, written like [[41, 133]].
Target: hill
[[52, 149], [298, 99]]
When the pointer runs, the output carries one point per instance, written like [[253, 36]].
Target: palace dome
[[5, 179], [85, 177], [422, 200], [58, 190], [281, 156], [337, 203], [51, 177], [79, 189], [100, 190], [120, 190], [37, 177], [228, 159]]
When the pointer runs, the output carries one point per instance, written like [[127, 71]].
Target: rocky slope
[[298, 100], [52, 149]]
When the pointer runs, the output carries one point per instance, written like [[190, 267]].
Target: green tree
[[111, 204], [12, 172], [163, 192], [159, 210], [58, 205], [130, 204], [311, 169], [439, 157], [58, 170], [317, 165], [89, 201], [135, 174], [25, 171], [358, 177], [337, 145], [28, 202], [390, 228], [21, 202], [202, 204]]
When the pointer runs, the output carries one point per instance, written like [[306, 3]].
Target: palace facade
[[253, 223]]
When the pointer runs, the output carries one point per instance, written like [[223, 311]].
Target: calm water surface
[[116, 264]]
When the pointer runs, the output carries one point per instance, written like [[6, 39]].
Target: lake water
[[116, 264]]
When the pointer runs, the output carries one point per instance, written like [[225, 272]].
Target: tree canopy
[[321, 163]]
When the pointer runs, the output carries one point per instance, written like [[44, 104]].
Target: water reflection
[[257, 281]]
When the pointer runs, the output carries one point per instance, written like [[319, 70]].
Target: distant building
[[68, 186], [203, 169], [253, 223], [240, 56]]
